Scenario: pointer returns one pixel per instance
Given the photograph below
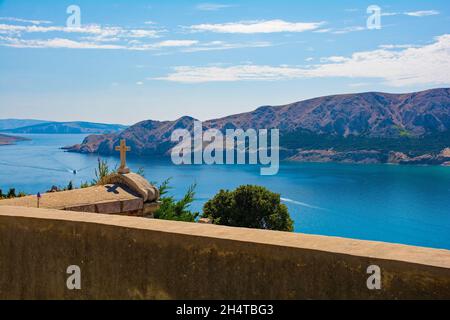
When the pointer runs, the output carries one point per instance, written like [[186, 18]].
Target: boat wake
[[303, 204]]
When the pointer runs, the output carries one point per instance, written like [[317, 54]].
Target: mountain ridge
[[7, 124], [72, 127], [362, 128]]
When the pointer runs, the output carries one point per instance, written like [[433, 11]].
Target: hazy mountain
[[6, 124], [69, 127], [366, 127], [7, 140]]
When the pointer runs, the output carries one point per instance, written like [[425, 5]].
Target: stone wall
[[135, 258], [125, 194]]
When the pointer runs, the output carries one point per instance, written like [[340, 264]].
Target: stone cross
[[123, 157]]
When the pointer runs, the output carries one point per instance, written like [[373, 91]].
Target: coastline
[[7, 140]]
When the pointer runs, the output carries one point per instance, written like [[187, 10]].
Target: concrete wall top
[[370, 249]]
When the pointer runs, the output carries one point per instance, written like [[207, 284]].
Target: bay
[[399, 204]]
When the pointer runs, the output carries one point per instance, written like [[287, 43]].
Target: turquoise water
[[399, 204]]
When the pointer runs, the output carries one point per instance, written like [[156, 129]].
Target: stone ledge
[[136, 258], [372, 249], [106, 199]]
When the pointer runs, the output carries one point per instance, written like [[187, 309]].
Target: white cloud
[[92, 29], [72, 44], [341, 30], [389, 14], [251, 27], [423, 13], [411, 66], [213, 6], [188, 74], [349, 29], [397, 46], [57, 43], [323, 30], [140, 33], [12, 19], [333, 59], [220, 45], [175, 43]]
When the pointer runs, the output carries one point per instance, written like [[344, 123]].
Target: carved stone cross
[[123, 157]]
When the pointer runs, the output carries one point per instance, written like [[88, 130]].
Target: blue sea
[[399, 204]]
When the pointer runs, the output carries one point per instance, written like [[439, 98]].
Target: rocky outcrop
[[360, 157], [8, 140], [442, 158], [445, 153]]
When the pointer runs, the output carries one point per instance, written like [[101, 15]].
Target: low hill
[[68, 128], [8, 124]]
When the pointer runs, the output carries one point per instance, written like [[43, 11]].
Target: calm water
[[409, 205]]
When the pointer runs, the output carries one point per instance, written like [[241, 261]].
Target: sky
[[125, 61]]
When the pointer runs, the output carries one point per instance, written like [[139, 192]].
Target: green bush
[[11, 193], [171, 209], [251, 207], [102, 172]]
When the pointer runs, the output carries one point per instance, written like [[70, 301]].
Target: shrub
[[102, 172], [11, 193], [251, 207], [171, 209], [85, 185]]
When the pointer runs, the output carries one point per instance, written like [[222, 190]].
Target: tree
[[11, 193], [70, 186], [170, 209], [251, 207], [1, 194]]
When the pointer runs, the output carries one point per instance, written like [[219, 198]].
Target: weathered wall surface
[[107, 199], [136, 258]]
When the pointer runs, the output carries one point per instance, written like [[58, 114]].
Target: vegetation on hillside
[[303, 139]]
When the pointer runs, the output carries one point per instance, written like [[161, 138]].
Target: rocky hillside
[[364, 128], [7, 140]]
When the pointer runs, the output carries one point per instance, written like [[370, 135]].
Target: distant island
[[365, 128], [7, 124], [8, 140], [16, 126]]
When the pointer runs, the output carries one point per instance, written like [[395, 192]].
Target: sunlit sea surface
[[400, 204]]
